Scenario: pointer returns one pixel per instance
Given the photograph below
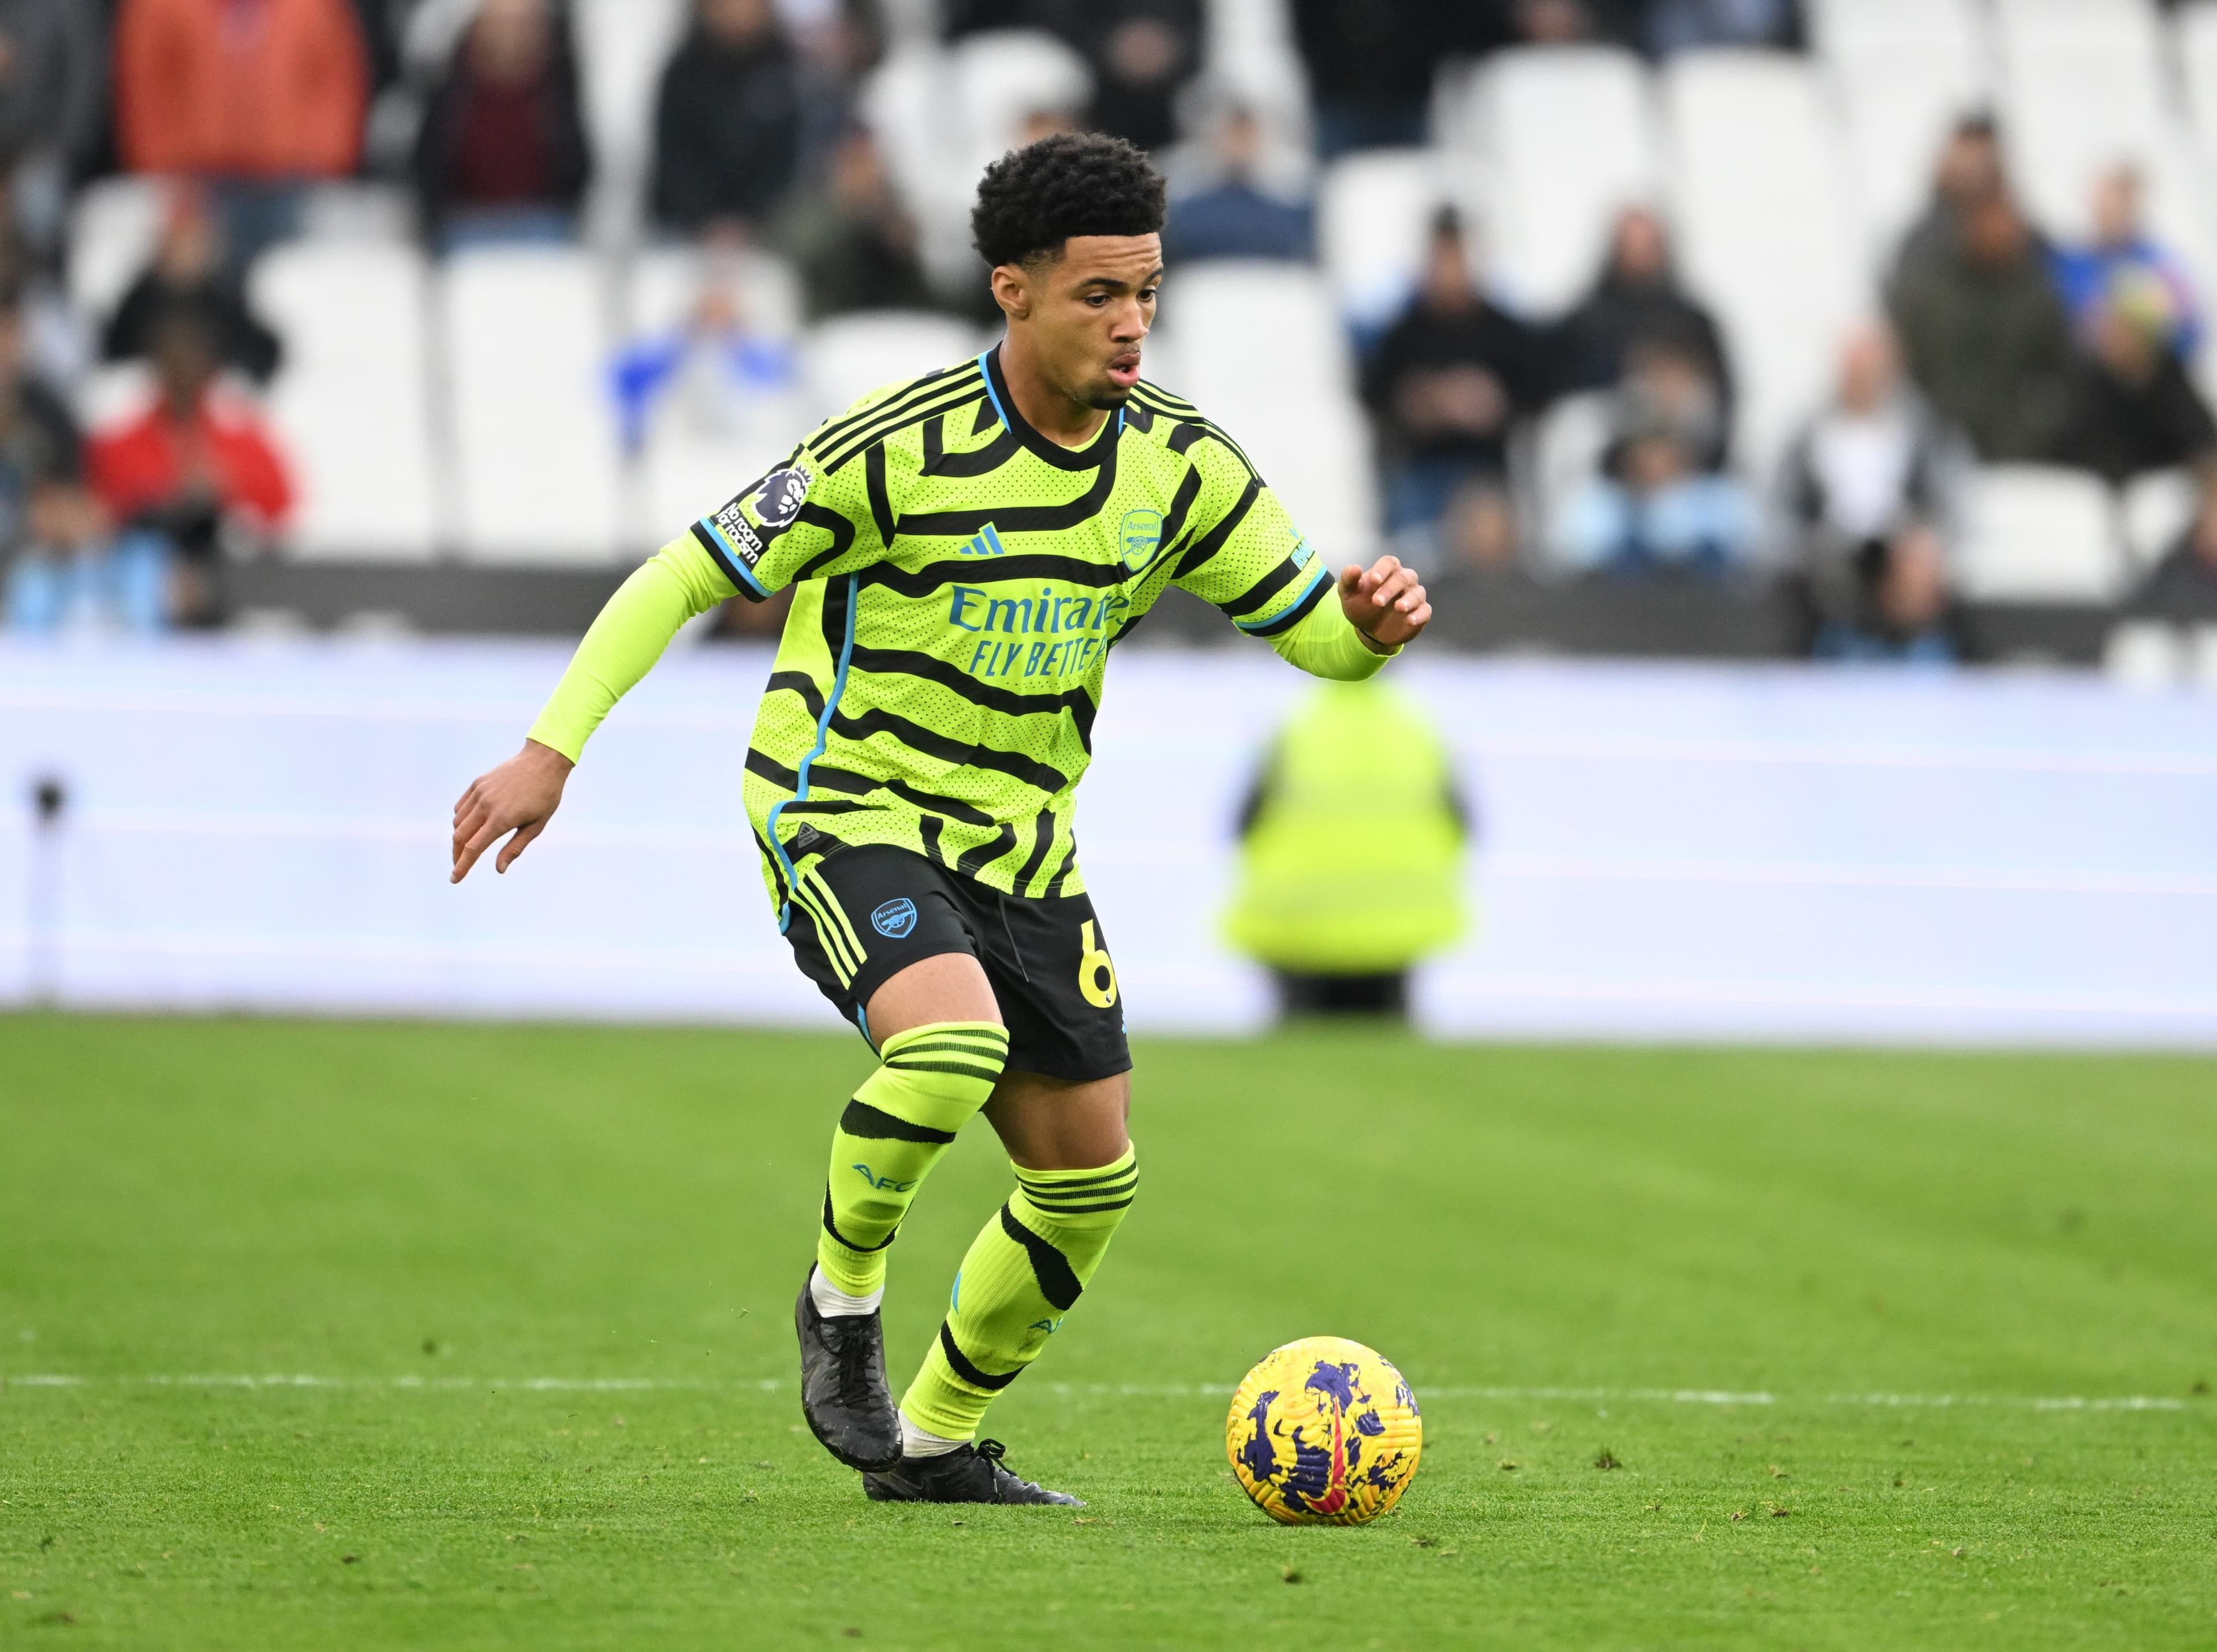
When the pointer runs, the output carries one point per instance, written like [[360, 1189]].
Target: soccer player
[[966, 549]]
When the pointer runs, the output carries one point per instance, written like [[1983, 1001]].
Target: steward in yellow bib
[[1351, 851]]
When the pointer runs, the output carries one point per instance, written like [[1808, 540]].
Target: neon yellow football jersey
[[961, 580]]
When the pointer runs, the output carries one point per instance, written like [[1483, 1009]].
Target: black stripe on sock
[[1058, 1281], [875, 1125], [1112, 1173], [833, 1230], [907, 1058], [955, 1043], [990, 1075], [1055, 1203], [1085, 1209], [968, 1372]]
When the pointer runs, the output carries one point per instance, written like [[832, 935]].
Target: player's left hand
[[1385, 602]]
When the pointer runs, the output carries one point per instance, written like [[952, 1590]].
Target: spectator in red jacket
[[259, 95], [194, 469]]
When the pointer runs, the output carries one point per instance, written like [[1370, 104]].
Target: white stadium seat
[[1247, 54], [849, 356], [533, 431], [2196, 54], [904, 101], [1763, 229], [1567, 136], [2037, 534], [112, 392], [999, 78], [1566, 450], [1258, 349], [1904, 71], [2085, 86], [1373, 212], [352, 404], [2154, 511], [2146, 655], [622, 47], [113, 229]]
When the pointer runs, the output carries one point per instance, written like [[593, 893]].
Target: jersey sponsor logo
[[1048, 1325], [895, 918], [1140, 536], [1056, 634], [777, 497], [1303, 555], [884, 1184], [732, 527], [988, 543]]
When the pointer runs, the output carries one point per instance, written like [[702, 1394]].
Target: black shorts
[[1047, 960]]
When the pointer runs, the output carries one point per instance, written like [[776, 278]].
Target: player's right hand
[[520, 796]]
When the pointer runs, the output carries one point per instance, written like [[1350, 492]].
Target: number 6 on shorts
[[1096, 975]]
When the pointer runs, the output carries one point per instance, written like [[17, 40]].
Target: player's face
[[1091, 309]]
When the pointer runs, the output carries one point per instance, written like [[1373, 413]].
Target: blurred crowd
[[1999, 342], [1998, 345]]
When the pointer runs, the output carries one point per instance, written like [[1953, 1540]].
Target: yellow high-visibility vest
[[1351, 862]]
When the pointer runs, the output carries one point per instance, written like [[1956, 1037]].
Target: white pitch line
[[1129, 1390]]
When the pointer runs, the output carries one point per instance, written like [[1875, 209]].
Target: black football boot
[[842, 1385], [968, 1474]]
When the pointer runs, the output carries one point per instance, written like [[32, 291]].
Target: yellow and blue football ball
[[1324, 1433]]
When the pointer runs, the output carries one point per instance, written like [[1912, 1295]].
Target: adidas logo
[[988, 543]]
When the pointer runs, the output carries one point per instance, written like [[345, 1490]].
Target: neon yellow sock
[[900, 1122], [1024, 1272]]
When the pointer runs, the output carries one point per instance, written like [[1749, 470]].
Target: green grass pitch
[[541, 1279]]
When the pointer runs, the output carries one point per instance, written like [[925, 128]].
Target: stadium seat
[[2146, 655], [352, 404], [532, 431], [849, 356], [112, 392], [2083, 87], [1762, 216], [1567, 448], [1248, 55], [113, 229], [1567, 136], [685, 469], [2038, 533], [998, 79], [1256, 346], [2196, 55], [903, 102], [358, 210], [2155, 509], [1904, 71], [1374, 210], [622, 45]]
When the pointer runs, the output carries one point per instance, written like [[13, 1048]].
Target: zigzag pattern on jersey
[[962, 741], [1186, 420], [934, 394]]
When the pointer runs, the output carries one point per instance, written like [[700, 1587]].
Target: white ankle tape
[[835, 1304], [916, 1442]]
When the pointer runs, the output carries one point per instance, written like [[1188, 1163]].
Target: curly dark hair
[[1033, 199]]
